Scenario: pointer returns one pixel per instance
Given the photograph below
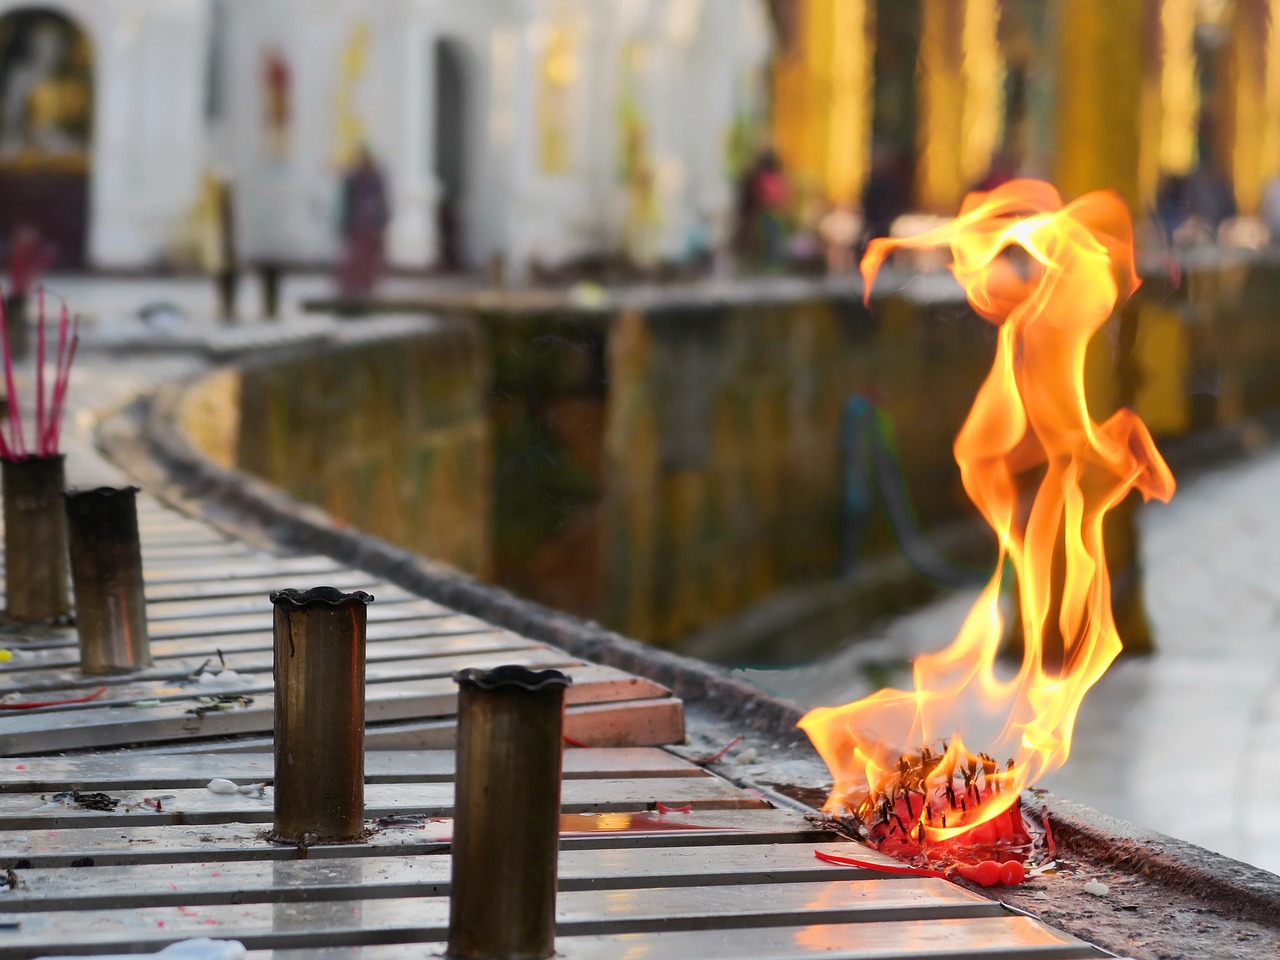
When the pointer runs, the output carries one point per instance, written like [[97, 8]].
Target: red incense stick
[[57, 367], [61, 396], [40, 430], [58, 374], [50, 397], [15, 419]]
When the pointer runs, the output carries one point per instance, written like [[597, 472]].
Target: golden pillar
[[1179, 90], [1151, 101], [1271, 122], [822, 99], [1100, 97], [960, 99], [1255, 99], [939, 183]]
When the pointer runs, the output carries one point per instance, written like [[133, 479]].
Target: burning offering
[[933, 775]]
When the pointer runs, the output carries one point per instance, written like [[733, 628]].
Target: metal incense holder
[[106, 572], [319, 715], [35, 540], [506, 830]]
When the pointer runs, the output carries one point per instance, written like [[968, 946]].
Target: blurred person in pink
[[27, 260], [366, 211], [765, 198]]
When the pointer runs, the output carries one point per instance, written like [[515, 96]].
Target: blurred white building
[[535, 130]]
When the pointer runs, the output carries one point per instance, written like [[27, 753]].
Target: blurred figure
[[366, 211], [1209, 196], [1192, 208], [28, 259], [215, 214], [1173, 206], [886, 195], [277, 84], [839, 229], [762, 203], [1002, 170], [698, 253], [1271, 208]]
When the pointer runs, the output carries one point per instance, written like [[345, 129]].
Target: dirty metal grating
[[731, 878], [158, 858], [208, 609]]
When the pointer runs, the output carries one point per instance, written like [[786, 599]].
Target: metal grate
[[170, 860], [731, 878], [209, 609]]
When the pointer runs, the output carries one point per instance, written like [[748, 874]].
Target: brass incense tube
[[35, 540], [106, 572], [319, 715], [506, 831]]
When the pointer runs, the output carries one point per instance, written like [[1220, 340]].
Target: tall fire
[[935, 773]]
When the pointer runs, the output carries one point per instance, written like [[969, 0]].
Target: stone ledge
[[1212, 879]]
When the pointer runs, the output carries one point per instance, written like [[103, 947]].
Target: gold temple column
[[1100, 86], [1255, 101], [960, 99], [822, 99], [1271, 120], [1179, 90], [1157, 56], [939, 183]]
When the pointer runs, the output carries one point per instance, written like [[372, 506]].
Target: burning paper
[[940, 767]]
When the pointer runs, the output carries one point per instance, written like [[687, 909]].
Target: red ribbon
[[53, 703], [881, 867]]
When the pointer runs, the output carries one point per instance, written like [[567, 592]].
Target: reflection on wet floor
[[572, 824]]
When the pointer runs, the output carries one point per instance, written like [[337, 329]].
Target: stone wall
[[390, 437], [661, 467], [662, 464], [723, 445]]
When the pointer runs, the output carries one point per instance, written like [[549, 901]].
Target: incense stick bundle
[[50, 403]]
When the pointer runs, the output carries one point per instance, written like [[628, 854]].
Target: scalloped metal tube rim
[[511, 675], [104, 492], [331, 596], [24, 461]]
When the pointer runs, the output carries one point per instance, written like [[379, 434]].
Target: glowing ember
[[1044, 475]]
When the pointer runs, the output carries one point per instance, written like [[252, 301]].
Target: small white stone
[[748, 755], [222, 678], [1096, 888], [225, 787]]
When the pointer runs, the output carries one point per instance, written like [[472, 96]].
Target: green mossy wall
[[722, 445], [391, 437]]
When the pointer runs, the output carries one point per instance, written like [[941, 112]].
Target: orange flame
[[1029, 432]]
